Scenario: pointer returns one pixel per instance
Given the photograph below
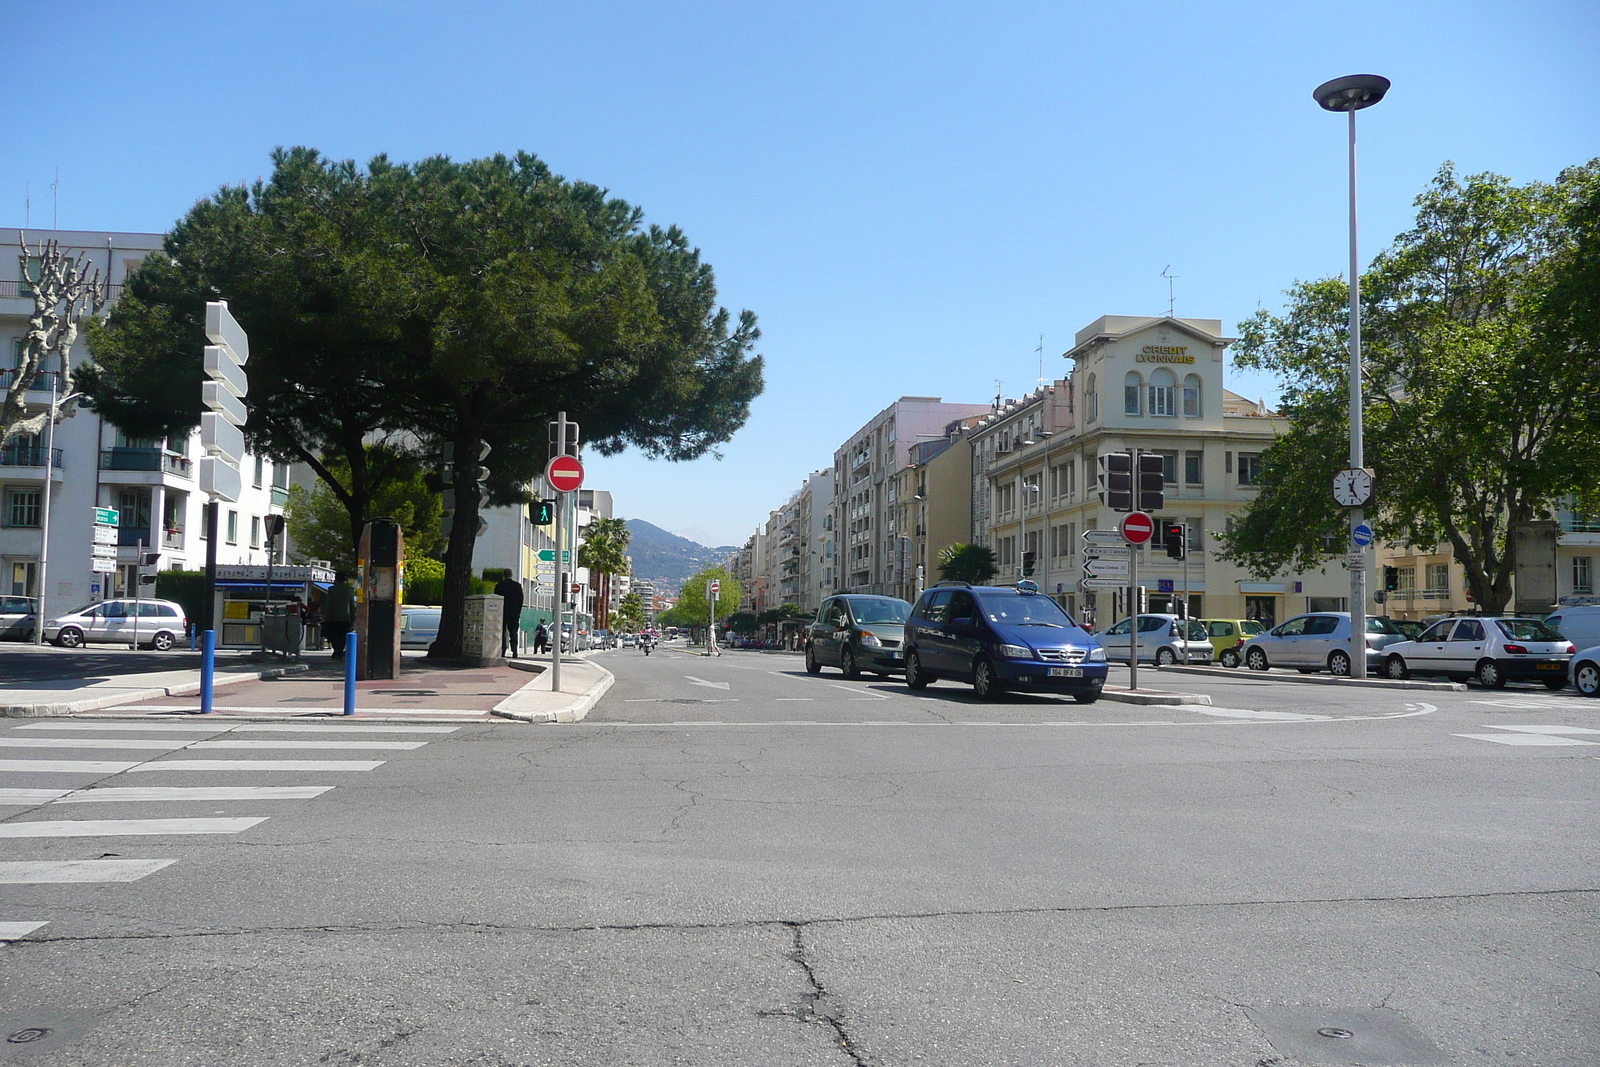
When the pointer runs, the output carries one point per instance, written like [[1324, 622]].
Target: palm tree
[[967, 563], [605, 552]]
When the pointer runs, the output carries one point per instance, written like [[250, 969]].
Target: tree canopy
[[1480, 391], [692, 608], [437, 302], [967, 563]]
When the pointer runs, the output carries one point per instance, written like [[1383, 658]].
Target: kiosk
[[242, 600]]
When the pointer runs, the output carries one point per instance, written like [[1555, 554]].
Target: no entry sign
[[1137, 528], [565, 473]]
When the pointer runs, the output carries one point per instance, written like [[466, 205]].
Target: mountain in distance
[[667, 559]]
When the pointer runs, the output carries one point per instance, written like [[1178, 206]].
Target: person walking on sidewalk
[[338, 612], [510, 590], [541, 638]]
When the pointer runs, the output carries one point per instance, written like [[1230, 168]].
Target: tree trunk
[[458, 553]]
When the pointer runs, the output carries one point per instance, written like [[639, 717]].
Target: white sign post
[[221, 430]]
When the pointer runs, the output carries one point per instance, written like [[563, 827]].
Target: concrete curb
[[1151, 696], [572, 712], [1314, 679], [134, 696]]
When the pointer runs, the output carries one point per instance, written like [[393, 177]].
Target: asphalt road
[[24, 663], [732, 862]]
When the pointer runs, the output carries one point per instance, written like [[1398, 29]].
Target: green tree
[[692, 605], [743, 622], [630, 613], [319, 522], [1478, 418], [604, 550], [967, 563]]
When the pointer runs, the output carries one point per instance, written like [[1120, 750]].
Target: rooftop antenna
[[997, 384], [55, 185], [1040, 352], [1170, 279], [27, 205]]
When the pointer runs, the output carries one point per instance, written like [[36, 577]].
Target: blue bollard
[[208, 669], [351, 642], [194, 633]]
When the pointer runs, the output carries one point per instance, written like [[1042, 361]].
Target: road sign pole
[[559, 602], [1133, 612], [1184, 614]]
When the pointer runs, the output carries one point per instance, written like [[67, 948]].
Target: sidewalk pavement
[[72, 696], [583, 683]]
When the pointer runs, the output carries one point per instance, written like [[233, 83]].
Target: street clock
[[1352, 487]]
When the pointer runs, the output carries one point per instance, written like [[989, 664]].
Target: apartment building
[[934, 495]]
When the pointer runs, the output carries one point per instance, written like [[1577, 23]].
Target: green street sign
[[548, 555], [105, 516]]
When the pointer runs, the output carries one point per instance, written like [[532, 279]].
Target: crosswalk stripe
[[119, 794], [254, 765], [391, 746], [126, 827], [12, 931], [340, 727], [31, 796], [67, 766], [224, 727], [1542, 729], [90, 742], [59, 872], [1527, 740], [122, 724], [301, 709]]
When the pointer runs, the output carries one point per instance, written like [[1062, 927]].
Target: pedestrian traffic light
[[1027, 564], [1391, 579], [544, 512], [1152, 479], [1175, 535], [1116, 481]]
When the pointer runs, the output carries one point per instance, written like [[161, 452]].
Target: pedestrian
[[541, 638], [338, 612], [510, 590]]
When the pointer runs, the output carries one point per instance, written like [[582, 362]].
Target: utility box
[[480, 631], [381, 573]]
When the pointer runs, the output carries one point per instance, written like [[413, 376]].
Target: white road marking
[[212, 727], [30, 796], [1542, 729], [1526, 739], [341, 727], [692, 680], [134, 794], [1526, 702], [223, 727], [867, 694], [66, 766], [126, 827], [59, 872], [254, 765], [90, 742], [1243, 713], [328, 709], [792, 700], [391, 746], [12, 931]]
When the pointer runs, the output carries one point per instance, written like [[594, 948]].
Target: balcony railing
[[146, 459], [172, 539], [133, 536], [24, 290], [42, 381], [28, 456]]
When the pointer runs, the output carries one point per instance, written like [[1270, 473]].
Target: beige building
[[1156, 385], [933, 498]]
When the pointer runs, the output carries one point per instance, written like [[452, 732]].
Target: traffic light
[[1152, 479], [1175, 535], [1391, 579], [1027, 564], [571, 445], [274, 524], [1116, 481], [543, 512]]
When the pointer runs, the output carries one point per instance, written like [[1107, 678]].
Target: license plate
[[1066, 672], [1549, 666]]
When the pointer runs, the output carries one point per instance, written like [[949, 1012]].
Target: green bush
[[431, 590], [187, 588]]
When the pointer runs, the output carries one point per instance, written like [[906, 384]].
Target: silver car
[[1584, 672], [158, 624], [1319, 642], [18, 616], [1491, 649], [1161, 641]]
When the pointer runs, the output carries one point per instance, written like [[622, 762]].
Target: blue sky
[[907, 195]]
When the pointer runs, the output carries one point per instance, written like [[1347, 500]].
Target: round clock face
[[1352, 488]]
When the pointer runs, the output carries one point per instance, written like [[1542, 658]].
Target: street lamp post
[[1350, 94]]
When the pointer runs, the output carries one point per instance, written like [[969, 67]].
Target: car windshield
[[875, 612], [1197, 631], [1249, 627], [1527, 630], [1015, 609], [1377, 624]]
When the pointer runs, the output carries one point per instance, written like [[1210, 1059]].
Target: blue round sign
[[1362, 535]]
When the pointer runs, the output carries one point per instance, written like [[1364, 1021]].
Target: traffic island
[[583, 683], [1151, 696], [1235, 673]]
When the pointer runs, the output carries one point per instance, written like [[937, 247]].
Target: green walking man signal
[[544, 512]]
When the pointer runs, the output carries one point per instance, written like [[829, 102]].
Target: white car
[[1491, 649], [159, 624], [1161, 641], [1584, 672], [419, 626]]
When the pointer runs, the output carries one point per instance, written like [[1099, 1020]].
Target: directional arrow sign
[[1105, 551], [1104, 537], [548, 555], [1101, 583], [1109, 568]]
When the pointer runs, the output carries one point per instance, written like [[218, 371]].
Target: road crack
[[817, 1007]]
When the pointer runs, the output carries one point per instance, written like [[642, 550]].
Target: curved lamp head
[[1352, 92]]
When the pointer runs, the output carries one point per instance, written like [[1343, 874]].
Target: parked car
[[1226, 635], [1584, 671], [629, 640], [160, 624], [1492, 649], [419, 626], [1581, 626], [1317, 642], [854, 631], [1162, 640], [18, 616], [999, 638], [1411, 628]]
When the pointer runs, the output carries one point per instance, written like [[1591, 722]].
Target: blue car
[[999, 638]]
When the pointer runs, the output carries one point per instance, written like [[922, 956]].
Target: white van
[[1581, 626]]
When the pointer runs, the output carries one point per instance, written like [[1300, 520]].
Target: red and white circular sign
[[564, 473], [1138, 528]]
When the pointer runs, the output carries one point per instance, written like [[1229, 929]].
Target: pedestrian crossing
[[33, 754], [1535, 736]]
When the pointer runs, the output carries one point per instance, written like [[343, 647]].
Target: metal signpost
[[1137, 529], [713, 589], [222, 439], [564, 473]]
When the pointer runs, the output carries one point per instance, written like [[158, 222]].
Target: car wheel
[[1086, 698], [70, 637], [1489, 675], [812, 666], [916, 677], [161, 642], [1395, 667], [985, 683], [1230, 658], [1554, 684], [1339, 664], [1256, 659], [847, 663], [1165, 657], [1587, 678]]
